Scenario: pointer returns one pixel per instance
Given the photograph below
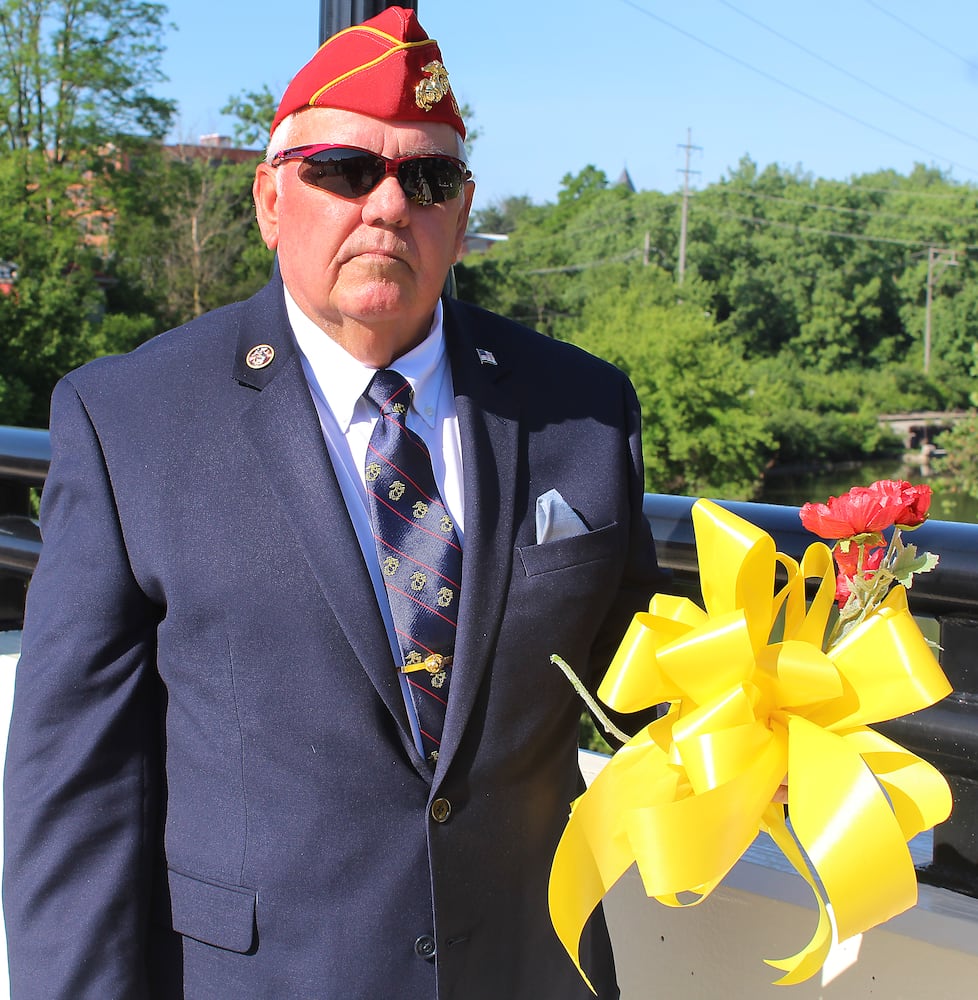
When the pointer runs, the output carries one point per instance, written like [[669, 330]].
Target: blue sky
[[837, 87]]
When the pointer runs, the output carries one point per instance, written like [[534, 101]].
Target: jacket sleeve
[[81, 784]]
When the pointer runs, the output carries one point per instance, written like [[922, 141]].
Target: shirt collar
[[342, 379]]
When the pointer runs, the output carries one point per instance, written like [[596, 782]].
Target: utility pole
[[689, 147], [937, 257]]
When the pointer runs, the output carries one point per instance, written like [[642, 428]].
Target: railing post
[[951, 744]]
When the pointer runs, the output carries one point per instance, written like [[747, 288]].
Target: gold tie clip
[[434, 664]]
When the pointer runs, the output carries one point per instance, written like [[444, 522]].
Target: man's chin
[[380, 300]]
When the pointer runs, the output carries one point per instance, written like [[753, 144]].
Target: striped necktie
[[418, 550]]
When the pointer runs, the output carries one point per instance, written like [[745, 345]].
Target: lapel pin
[[260, 356], [486, 357]]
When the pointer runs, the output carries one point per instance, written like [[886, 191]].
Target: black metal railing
[[946, 734], [24, 458]]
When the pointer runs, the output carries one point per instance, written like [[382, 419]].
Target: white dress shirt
[[337, 382]]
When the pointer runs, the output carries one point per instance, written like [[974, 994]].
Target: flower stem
[[595, 709], [867, 596]]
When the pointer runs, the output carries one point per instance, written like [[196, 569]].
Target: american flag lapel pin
[[486, 357]]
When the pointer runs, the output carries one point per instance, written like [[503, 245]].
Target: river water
[[797, 487]]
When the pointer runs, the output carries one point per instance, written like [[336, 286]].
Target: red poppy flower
[[868, 510], [909, 504], [848, 565]]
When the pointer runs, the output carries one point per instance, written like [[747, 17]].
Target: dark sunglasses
[[350, 172]]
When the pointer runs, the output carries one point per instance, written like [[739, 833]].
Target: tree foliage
[[960, 463], [48, 317], [799, 321], [701, 430], [114, 236], [185, 240], [800, 318], [254, 112], [78, 74]]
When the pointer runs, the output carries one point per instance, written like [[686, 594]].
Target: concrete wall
[[764, 910], [9, 651]]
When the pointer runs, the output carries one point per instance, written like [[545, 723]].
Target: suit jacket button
[[424, 947], [441, 809]]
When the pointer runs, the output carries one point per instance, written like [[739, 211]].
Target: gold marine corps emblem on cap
[[429, 92]]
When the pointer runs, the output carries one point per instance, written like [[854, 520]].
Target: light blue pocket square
[[556, 518]]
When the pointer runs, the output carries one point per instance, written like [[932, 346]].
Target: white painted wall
[[715, 950], [9, 651]]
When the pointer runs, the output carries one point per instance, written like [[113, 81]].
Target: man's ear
[[265, 192]]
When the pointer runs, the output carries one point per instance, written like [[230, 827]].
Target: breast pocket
[[599, 545]]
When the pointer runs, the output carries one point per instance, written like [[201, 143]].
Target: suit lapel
[[489, 430], [283, 428]]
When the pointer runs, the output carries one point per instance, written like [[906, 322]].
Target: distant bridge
[[920, 428]]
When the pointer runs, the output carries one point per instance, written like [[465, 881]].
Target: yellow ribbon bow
[[753, 698]]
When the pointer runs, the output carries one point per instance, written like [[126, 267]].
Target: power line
[[755, 220], [707, 209], [794, 89], [848, 210], [859, 237], [590, 265], [933, 41], [852, 76], [966, 191]]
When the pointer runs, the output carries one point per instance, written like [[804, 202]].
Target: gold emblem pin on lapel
[[260, 356]]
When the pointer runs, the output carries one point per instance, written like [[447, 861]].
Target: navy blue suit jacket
[[211, 788]]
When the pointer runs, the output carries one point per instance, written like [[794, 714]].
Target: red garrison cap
[[386, 67]]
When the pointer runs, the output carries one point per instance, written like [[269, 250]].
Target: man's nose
[[387, 204]]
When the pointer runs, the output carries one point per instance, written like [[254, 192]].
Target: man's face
[[367, 270]]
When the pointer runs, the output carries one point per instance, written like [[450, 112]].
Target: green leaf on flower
[[908, 563]]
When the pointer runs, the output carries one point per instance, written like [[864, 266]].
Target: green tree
[[55, 306], [76, 75], [502, 216], [701, 432], [254, 112], [186, 240], [960, 465], [74, 105], [818, 285]]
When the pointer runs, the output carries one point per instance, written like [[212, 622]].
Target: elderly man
[[284, 724]]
